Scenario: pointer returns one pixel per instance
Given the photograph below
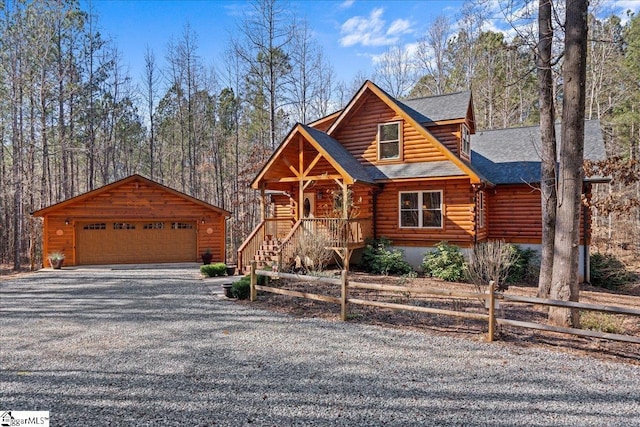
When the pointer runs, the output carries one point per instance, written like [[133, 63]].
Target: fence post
[[492, 314], [344, 295], [254, 281]]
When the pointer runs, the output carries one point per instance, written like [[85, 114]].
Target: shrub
[[609, 272], [213, 270], [446, 263], [241, 288], [311, 251], [602, 322], [379, 258], [490, 260], [526, 266]]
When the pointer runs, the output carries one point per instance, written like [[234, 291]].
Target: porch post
[[263, 207], [345, 193], [301, 182]]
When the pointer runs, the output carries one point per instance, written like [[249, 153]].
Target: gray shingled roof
[[414, 170], [340, 154], [511, 156], [440, 107]]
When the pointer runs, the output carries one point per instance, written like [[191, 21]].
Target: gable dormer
[[450, 118], [378, 130]]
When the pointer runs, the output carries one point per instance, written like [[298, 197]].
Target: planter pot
[[206, 258], [226, 287], [231, 270], [56, 264]]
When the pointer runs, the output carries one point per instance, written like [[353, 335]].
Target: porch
[[273, 241]]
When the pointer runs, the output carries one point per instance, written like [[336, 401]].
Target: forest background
[[72, 120]]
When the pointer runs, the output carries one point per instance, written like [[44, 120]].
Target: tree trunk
[[564, 285], [547, 147]]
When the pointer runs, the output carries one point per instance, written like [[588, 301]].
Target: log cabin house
[[133, 221], [416, 172]]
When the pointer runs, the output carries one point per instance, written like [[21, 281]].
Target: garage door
[[135, 242]]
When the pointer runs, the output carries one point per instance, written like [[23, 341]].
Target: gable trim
[[369, 86], [116, 184]]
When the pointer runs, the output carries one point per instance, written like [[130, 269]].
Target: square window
[[389, 141], [421, 209]]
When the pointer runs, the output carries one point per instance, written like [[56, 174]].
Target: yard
[[472, 329]]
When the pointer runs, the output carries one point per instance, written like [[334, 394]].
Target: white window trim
[[399, 156], [420, 226], [465, 134]]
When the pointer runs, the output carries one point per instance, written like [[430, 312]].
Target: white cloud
[[346, 4], [399, 26], [370, 30]]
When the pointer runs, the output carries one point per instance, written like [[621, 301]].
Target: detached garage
[[133, 221]]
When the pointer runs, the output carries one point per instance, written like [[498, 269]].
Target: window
[[153, 226], [123, 226], [389, 141], [421, 209], [481, 209], [95, 226], [181, 226], [465, 140]]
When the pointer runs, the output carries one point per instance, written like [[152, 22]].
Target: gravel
[[164, 347]]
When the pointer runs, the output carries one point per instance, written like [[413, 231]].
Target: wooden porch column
[[345, 194], [301, 182], [263, 203]]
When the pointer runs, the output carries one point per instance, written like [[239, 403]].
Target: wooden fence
[[491, 298]]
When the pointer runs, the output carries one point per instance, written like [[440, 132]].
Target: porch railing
[[338, 232], [275, 228]]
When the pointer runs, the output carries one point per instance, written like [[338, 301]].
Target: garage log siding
[[134, 220]]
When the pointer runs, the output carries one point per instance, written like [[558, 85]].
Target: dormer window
[[389, 141], [465, 140]]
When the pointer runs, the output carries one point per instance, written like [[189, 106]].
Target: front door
[[309, 205]]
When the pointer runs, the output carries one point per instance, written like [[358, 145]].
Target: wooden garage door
[[135, 242]]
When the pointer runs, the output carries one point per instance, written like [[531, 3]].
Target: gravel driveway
[[163, 348]]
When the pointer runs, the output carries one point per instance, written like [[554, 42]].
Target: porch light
[[67, 221]]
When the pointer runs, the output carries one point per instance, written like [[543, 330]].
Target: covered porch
[[310, 187]]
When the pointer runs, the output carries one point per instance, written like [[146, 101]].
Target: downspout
[[476, 188], [585, 230], [374, 209]]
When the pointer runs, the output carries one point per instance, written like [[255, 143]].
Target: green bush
[[609, 272], [525, 266], [241, 288], [446, 263], [379, 258], [213, 270]]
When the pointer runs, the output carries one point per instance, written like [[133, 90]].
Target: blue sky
[[351, 32]]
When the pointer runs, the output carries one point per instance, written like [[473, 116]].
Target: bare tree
[[564, 284], [432, 58], [267, 35], [151, 81], [395, 71]]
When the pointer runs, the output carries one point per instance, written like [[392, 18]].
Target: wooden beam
[[290, 166], [313, 163]]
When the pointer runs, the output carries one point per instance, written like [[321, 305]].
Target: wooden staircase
[[265, 256]]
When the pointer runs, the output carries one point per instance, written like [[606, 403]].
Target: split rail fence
[[491, 299]]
